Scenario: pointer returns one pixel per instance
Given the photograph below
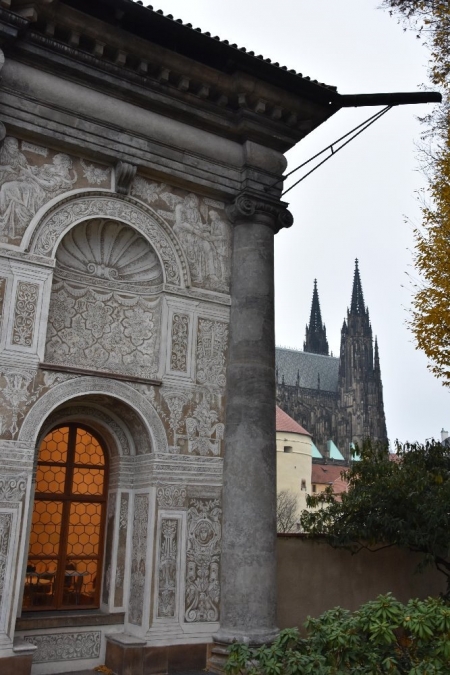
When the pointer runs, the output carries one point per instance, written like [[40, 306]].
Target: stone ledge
[[72, 619]]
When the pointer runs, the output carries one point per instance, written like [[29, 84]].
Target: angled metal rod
[[371, 121]]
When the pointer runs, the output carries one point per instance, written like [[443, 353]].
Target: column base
[[126, 655], [249, 637]]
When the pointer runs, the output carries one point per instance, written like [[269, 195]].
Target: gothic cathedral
[[335, 399]]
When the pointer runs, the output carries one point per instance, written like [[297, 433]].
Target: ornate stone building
[[335, 398], [140, 158]]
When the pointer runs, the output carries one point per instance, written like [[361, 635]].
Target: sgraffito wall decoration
[[31, 175], [203, 560]]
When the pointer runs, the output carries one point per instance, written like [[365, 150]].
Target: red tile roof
[[326, 474], [286, 423]]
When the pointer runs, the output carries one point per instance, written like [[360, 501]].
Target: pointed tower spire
[[376, 366], [357, 307], [316, 334]]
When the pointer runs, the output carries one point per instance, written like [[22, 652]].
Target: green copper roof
[[333, 452], [315, 452]]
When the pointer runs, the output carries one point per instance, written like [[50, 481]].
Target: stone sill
[[69, 619]]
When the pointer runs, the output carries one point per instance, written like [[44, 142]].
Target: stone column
[[248, 589]]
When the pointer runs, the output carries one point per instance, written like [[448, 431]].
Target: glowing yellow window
[[66, 539]]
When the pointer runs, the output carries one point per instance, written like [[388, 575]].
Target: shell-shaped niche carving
[[110, 250]]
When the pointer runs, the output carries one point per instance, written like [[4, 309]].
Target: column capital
[[250, 207]]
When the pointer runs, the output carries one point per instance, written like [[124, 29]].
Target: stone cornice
[[251, 208], [237, 104]]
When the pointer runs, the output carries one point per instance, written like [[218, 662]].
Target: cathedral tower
[[316, 334], [360, 387]]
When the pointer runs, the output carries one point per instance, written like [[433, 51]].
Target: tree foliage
[[382, 637], [401, 500], [430, 321], [287, 511]]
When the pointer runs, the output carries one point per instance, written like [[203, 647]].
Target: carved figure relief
[[103, 314], [30, 176], [180, 337], [138, 560], [167, 568], [65, 646], [212, 342], [5, 534], [25, 313], [203, 232], [202, 560]]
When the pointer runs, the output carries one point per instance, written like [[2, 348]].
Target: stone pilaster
[[248, 598]]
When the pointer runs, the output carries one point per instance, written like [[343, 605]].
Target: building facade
[[294, 458], [338, 399], [140, 181]]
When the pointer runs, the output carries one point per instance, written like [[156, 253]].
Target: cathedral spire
[[316, 334], [357, 307], [376, 367]]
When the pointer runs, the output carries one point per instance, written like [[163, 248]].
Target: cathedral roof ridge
[[302, 351]]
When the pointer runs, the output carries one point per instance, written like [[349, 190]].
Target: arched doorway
[[67, 530]]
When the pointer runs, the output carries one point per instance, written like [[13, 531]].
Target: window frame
[[67, 498]]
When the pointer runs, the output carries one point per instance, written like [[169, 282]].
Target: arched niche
[[60, 215], [105, 303]]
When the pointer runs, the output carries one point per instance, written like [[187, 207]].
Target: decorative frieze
[[25, 309], [180, 341], [65, 646], [168, 568], [203, 561], [139, 558]]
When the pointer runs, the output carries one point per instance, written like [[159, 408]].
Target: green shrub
[[381, 637]]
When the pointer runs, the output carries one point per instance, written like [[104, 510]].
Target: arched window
[[66, 539]]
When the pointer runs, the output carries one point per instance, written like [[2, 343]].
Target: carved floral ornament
[[252, 208]]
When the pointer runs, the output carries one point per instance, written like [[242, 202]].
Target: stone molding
[[63, 392], [252, 208]]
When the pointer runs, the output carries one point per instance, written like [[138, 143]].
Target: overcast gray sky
[[356, 205]]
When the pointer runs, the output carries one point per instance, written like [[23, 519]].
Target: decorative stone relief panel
[[180, 342], [31, 175], [100, 330], [201, 226], [2, 298], [168, 568], [65, 646], [12, 488], [25, 309], [108, 547], [212, 343], [6, 521], [171, 496], [19, 389], [203, 561], [139, 558], [121, 550], [194, 421]]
